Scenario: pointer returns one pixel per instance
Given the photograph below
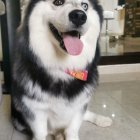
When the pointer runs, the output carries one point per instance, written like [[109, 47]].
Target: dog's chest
[[59, 111]]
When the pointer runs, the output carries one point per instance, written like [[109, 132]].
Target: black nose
[[78, 17]]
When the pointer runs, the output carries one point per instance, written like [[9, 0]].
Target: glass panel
[[121, 28]]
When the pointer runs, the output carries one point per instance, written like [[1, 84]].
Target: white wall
[[116, 26]]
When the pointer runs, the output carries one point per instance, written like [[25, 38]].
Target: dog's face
[[68, 23], [67, 20], [69, 15]]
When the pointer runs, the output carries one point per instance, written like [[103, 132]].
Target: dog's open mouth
[[69, 41]]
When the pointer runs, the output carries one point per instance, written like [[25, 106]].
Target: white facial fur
[[44, 44], [60, 17]]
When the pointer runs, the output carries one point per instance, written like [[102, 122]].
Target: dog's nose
[[77, 17]]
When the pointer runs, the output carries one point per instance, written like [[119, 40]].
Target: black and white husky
[[55, 67]]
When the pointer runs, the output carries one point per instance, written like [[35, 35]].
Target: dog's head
[[67, 21]]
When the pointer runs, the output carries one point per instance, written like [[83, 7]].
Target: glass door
[[120, 36], [9, 22]]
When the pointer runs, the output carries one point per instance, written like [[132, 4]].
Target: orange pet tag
[[81, 75]]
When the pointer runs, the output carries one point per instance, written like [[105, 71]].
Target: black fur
[[98, 8], [27, 65]]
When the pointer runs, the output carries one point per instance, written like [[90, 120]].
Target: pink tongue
[[74, 45]]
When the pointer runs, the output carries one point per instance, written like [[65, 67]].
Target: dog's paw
[[98, 120], [38, 139], [59, 137], [103, 121], [72, 138]]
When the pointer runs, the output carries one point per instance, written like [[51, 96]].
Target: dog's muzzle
[[70, 40], [77, 17]]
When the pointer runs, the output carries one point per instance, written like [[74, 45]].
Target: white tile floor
[[121, 101]]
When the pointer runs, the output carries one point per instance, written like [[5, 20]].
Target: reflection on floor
[[120, 101], [119, 46]]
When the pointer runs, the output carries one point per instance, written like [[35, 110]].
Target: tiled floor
[[121, 101]]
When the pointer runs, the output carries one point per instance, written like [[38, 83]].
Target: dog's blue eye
[[85, 6], [58, 2]]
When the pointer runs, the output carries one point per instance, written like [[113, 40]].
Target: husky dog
[[54, 69]]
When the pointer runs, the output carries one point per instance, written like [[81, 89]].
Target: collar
[[80, 74]]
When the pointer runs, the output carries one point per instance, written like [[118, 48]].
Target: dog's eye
[[85, 6], [58, 2]]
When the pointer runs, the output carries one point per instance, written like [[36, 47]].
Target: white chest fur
[[58, 111]]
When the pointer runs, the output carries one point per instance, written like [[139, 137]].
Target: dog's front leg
[[39, 125], [71, 133]]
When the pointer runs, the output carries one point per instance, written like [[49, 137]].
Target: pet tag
[[81, 75]]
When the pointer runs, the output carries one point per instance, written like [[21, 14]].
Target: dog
[[54, 68]]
